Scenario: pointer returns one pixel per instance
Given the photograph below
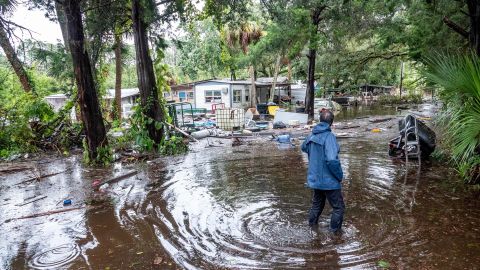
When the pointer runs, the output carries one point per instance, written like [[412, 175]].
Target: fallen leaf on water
[[383, 264]]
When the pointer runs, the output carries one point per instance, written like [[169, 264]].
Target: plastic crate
[[230, 119]]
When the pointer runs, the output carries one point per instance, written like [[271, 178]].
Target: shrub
[[459, 80]]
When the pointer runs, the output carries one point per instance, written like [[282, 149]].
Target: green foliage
[[173, 145], [129, 74], [201, 55], [383, 264], [104, 155], [405, 99], [459, 79], [21, 120], [138, 130]]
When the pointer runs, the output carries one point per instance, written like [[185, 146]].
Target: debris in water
[[40, 177], [31, 201], [97, 183], [158, 260], [46, 213], [383, 264], [379, 120]]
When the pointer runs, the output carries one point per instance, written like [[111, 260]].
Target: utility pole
[[401, 78]]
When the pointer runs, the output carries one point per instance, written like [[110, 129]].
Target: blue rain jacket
[[324, 169]]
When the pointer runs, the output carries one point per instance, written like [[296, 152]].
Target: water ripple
[[55, 257]]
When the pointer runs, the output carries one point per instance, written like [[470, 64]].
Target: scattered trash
[[417, 134], [201, 134], [251, 114], [279, 125], [96, 183], [294, 123], [376, 130], [230, 119], [284, 138], [287, 116], [272, 109], [67, 202]]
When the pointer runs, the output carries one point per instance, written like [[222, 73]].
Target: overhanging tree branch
[[455, 27]]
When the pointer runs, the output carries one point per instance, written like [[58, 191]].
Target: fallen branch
[[115, 179], [183, 132], [40, 177], [15, 168], [34, 200], [46, 213]]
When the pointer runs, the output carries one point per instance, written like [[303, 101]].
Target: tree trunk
[[312, 55], [13, 59], [118, 77], [275, 77], [62, 21], [474, 34], [87, 95], [145, 74], [289, 71], [253, 88], [310, 95]]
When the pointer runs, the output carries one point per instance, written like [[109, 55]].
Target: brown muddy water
[[243, 207]]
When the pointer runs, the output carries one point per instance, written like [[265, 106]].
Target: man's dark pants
[[335, 199]]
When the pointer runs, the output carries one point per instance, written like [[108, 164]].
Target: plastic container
[[272, 109], [230, 119], [262, 108], [201, 134], [283, 138]]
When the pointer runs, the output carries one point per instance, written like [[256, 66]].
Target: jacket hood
[[321, 127]]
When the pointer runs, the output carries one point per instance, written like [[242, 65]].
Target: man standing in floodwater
[[324, 172]]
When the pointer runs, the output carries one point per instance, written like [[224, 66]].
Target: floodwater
[[242, 207]]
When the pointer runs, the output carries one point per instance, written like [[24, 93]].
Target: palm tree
[[459, 79], [243, 36]]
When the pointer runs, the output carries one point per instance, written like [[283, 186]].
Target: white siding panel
[[214, 86]]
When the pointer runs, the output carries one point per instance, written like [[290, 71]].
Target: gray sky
[[42, 28]]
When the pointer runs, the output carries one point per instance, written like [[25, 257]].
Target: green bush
[[393, 100], [459, 80], [22, 119]]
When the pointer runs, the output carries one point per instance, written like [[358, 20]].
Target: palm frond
[[459, 79]]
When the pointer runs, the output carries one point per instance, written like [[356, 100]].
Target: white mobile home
[[57, 101], [235, 94]]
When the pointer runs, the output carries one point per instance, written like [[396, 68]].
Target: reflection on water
[[246, 208], [56, 257], [352, 112]]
